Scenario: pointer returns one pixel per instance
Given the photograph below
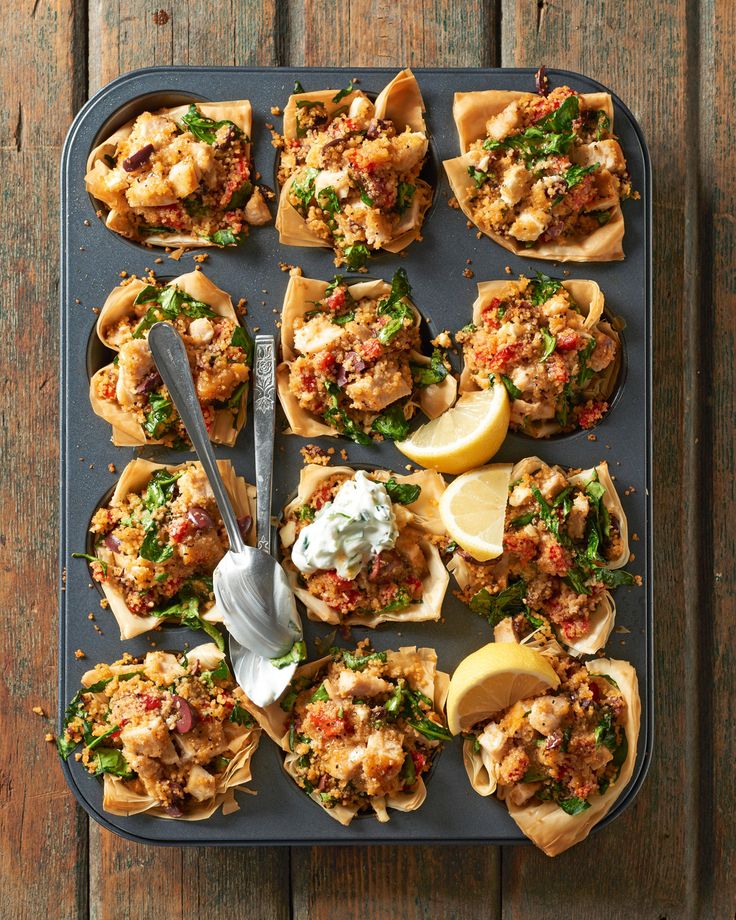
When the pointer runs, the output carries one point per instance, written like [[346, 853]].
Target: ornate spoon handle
[[264, 423]]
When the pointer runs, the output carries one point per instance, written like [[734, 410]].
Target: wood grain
[[43, 831], [640, 51]]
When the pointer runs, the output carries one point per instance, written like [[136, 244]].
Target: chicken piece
[[384, 758], [552, 484], [361, 109], [200, 784], [547, 712], [336, 179], [345, 761], [608, 154], [378, 227], [317, 335], [135, 363], [520, 494], [359, 683], [530, 225], [515, 184], [163, 667], [498, 127], [201, 331], [203, 158], [194, 487], [578, 516], [108, 185], [522, 792], [408, 150], [151, 191], [382, 385], [151, 129], [493, 740], [604, 352], [256, 210], [148, 739], [183, 178], [556, 305], [409, 548]]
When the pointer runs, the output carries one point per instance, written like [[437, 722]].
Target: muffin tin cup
[[92, 258]]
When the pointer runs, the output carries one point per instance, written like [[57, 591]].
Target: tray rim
[[647, 739]]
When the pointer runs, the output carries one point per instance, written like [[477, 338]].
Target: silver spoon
[[250, 586]]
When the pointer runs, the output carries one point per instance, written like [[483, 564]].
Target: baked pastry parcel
[[158, 541], [129, 392], [560, 760], [547, 341], [359, 548], [350, 168], [180, 177], [351, 360], [169, 734], [361, 729], [543, 176], [565, 545]]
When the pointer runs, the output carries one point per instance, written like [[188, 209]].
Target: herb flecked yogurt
[[357, 525]]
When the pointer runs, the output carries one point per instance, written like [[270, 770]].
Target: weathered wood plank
[[640, 51], [124, 36], [44, 832], [386, 883], [389, 882], [207, 882], [717, 308], [362, 33]]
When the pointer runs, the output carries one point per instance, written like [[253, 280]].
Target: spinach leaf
[[511, 388], [98, 739], [576, 579], [404, 494], [551, 135], [227, 237], [344, 92], [614, 578], [605, 731], [534, 774], [431, 729], [523, 519], [338, 418], [111, 760], [304, 190], [355, 662], [404, 195], [573, 805], [496, 607], [356, 255], [159, 417], [343, 319], [169, 302], [186, 610], [221, 672], [408, 774], [306, 513], [478, 176], [160, 488], [543, 287], [297, 653], [397, 306], [550, 343], [204, 128], [601, 216], [241, 716], [298, 88], [584, 371], [320, 695], [392, 423], [327, 199], [622, 751], [240, 196], [289, 699], [394, 703], [424, 375], [237, 395], [154, 551], [75, 710], [402, 599], [241, 339], [603, 124], [91, 559], [575, 174]]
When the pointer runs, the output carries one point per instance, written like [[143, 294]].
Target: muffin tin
[[92, 259]]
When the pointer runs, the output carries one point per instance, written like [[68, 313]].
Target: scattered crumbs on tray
[[256, 329], [77, 300], [638, 580], [111, 468], [275, 110], [87, 222], [159, 261], [468, 273], [177, 253], [632, 557], [79, 654], [507, 269], [592, 437], [629, 491], [96, 310], [478, 235], [90, 615], [343, 454], [313, 453], [408, 467], [469, 224], [104, 603], [635, 537], [123, 274], [91, 466], [38, 711], [82, 248], [453, 203], [622, 629]]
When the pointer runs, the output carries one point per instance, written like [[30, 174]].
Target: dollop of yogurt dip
[[357, 525]]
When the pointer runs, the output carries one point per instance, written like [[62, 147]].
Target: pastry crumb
[[79, 654], [177, 253], [469, 273], [111, 468], [313, 453], [104, 603], [276, 110], [592, 437], [443, 340], [39, 711], [507, 269], [454, 203], [49, 737]]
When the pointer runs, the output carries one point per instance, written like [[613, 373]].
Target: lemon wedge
[[473, 510], [464, 436], [493, 678]]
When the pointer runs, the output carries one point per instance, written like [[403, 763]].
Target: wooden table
[[671, 855]]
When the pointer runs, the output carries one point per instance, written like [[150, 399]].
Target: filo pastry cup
[[471, 112], [603, 619], [401, 102], [421, 517], [134, 479], [300, 297], [589, 298], [98, 170], [124, 797], [545, 823], [126, 430], [421, 664]]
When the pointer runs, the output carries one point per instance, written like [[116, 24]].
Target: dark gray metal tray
[[93, 257]]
